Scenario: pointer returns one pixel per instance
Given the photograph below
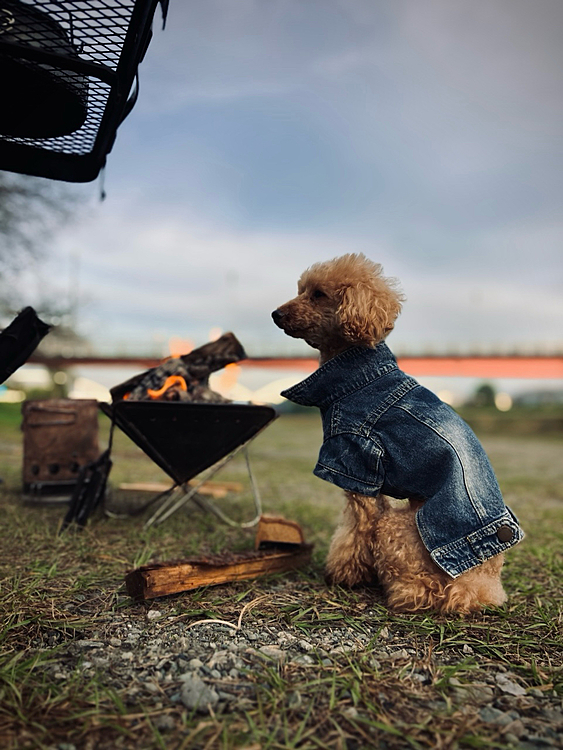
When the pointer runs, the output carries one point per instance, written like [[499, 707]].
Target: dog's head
[[341, 303]]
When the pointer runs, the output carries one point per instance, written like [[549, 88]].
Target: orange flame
[[228, 377], [170, 381], [179, 347]]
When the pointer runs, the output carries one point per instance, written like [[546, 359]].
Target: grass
[[56, 590]]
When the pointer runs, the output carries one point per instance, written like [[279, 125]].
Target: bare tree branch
[[31, 210]]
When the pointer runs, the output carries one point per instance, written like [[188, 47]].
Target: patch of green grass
[[55, 589]]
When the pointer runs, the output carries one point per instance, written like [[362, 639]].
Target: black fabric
[[19, 340]]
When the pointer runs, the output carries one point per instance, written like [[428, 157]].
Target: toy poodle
[[424, 514]]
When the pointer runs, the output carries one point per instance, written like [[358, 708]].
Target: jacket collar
[[342, 375]]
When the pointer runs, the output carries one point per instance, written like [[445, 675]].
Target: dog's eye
[[317, 294]]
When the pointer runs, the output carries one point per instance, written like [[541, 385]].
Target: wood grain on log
[[162, 579], [276, 531]]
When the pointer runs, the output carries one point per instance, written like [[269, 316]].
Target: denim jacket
[[385, 433]]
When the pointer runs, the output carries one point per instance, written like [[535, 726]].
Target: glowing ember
[[172, 381]]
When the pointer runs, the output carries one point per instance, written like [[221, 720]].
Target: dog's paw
[[350, 577]]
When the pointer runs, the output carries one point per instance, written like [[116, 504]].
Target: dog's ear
[[367, 315]]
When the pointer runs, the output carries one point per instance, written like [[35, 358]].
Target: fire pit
[[184, 437]]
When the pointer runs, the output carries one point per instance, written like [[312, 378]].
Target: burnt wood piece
[[162, 579], [195, 368]]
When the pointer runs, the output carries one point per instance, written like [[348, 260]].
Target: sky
[[269, 135]]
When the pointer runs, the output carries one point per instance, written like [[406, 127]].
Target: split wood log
[[280, 547], [274, 531], [144, 486], [162, 579]]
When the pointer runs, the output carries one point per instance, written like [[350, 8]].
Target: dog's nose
[[277, 316]]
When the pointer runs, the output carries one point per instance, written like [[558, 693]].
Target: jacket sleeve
[[351, 462]]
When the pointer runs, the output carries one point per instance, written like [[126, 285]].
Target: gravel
[[158, 660]]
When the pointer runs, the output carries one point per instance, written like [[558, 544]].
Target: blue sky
[[270, 135]]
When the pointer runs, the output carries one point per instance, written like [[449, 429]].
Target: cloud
[[150, 278], [269, 136], [453, 313], [504, 58]]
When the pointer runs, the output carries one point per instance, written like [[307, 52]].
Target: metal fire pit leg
[[165, 511], [210, 505], [172, 504]]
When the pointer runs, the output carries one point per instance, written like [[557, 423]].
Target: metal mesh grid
[[82, 140], [97, 27], [97, 30]]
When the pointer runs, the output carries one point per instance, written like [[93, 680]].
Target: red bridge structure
[[479, 366]]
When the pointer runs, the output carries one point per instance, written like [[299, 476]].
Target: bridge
[[547, 366]]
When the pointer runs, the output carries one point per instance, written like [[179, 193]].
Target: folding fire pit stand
[[185, 439]]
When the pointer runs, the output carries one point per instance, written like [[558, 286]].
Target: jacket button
[[505, 533]]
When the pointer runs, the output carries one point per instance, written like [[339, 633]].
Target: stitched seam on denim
[[471, 543], [472, 552], [490, 528], [334, 418], [425, 530], [375, 452], [379, 451], [459, 567], [494, 544], [428, 420], [330, 470], [387, 403], [478, 507], [464, 558], [334, 398], [421, 525]]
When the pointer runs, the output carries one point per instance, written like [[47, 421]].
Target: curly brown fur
[[341, 303], [377, 539], [347, 302]]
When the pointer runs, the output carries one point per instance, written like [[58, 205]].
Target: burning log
[[184, 378], [162, 579]]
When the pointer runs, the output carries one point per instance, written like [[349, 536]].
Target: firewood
[[194, 368], [217, 489], [213, 489], [162, 579], [274, 531], [144, 486]]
